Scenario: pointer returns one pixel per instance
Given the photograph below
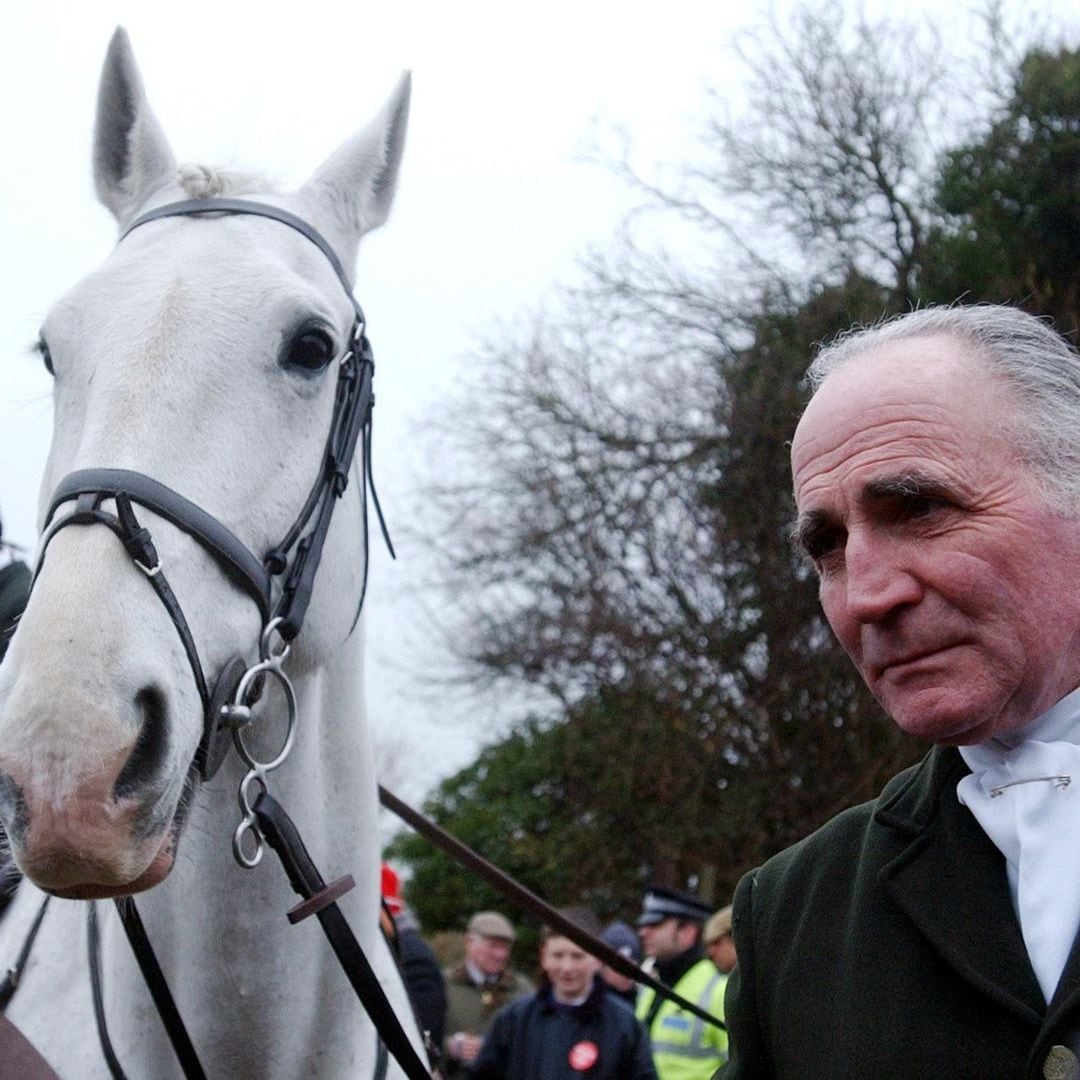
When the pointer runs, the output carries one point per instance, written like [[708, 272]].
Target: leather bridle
[[295, 559]]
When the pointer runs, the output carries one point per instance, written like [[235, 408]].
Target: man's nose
[[879, 577]]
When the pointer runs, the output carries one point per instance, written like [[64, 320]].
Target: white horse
[[202, 353]]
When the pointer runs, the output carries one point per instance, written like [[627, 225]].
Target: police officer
[[684, 1047]]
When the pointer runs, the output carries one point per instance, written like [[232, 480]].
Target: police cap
[[661, 903]]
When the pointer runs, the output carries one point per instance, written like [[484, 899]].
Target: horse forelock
[[204, 181]]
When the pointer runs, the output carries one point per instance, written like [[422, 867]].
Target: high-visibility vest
[[685, 1047]]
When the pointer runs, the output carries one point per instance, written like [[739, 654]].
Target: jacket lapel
[[1067, 996], [950, 880]]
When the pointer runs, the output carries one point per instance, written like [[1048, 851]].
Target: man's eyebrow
[[806, 526], [905, 485]]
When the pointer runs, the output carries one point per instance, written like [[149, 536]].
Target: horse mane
[[203, 181]]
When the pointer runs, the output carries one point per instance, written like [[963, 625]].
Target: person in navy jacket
[[572, 1027]]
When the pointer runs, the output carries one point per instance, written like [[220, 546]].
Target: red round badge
[[583, 1056]]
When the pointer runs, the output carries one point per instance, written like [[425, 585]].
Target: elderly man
[[931, 933], [478, 987]]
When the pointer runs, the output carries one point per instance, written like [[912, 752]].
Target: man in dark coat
[[932, 933]]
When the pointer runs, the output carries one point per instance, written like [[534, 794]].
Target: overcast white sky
[[493, 209], [494, 204]]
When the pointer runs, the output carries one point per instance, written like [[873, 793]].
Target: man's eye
[[825, 560], [821, 543], [920, 506]]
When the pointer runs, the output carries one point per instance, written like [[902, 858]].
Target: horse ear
[[131, 154], [356, 184]]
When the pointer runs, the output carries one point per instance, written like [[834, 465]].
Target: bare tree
[[611, 512]]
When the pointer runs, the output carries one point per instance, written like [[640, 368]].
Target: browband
[[193, 207]]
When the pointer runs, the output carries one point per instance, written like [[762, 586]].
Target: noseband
[[294, 560]]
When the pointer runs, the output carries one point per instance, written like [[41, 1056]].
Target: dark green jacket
[[885, 946], [470, 1009]]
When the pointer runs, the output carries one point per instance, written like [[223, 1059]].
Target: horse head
[[202, 354]]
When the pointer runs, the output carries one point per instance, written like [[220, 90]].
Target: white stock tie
[[1027, 800]]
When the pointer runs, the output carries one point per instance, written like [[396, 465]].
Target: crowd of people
[[486, 1021]]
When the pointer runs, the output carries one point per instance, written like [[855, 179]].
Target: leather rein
[[294, 562]]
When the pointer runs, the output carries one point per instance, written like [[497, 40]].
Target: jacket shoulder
[[861, 838]]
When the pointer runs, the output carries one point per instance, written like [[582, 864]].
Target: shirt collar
[[1060, 723], [478, 976]]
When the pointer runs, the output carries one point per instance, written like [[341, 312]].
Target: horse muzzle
[[88, 842]]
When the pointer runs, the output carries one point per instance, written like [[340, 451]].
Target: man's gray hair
[[1025, 352]]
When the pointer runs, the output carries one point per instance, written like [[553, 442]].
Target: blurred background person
[[478, 987], [419, 969], [719, 944], [620, 937], [14, 590]]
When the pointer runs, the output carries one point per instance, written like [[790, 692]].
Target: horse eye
[[46, 356], [310, 349]]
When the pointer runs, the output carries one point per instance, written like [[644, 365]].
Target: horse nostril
[[148, 755]]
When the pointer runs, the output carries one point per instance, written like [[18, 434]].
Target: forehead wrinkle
[[829, 465], [908, 433]]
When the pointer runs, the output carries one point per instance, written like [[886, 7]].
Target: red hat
[[391, 889]]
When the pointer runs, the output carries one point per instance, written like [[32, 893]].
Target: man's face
[[721, 952], [569, 968], [943, 573], [489, 954], [666, 939], [618, 982]]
